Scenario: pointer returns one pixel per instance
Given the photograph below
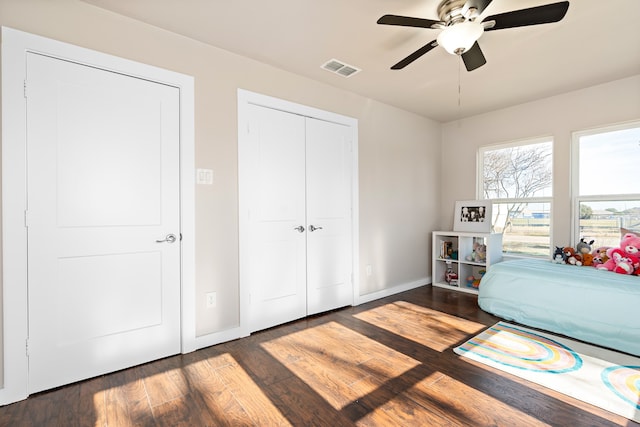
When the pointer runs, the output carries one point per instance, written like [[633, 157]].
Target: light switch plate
[[212, 299], [204, 176]]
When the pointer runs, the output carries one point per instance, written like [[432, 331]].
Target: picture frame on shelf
[[473, 216]]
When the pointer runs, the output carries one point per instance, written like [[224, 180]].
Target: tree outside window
[[518, 179]]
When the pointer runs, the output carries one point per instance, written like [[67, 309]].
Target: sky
[[610, 163]]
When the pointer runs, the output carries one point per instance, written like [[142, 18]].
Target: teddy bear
[[572, 257], [630, 244], [620, 262], [587, 260]]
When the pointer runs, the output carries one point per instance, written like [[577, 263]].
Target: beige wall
[[558, 116], [399, 152]]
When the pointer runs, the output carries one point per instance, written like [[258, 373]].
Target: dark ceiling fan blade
[[407, 21], [532, 16], [415, 55], [480, 5], [474, 58]]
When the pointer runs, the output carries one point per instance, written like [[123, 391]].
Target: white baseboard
[[392, 291], [218, 337]]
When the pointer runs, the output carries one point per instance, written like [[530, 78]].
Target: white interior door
[[103, 188], [277, 249], [300, 250], [329, 251]]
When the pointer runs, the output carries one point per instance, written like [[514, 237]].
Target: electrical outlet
[[211, 299], [369, 270]]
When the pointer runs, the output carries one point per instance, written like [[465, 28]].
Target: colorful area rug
[[601, 377]]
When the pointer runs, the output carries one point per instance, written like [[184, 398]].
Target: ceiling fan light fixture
[[459, 38]]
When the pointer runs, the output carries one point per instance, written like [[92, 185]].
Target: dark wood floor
[[386, 363]]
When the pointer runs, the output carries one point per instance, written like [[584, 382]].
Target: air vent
[[339, 67]]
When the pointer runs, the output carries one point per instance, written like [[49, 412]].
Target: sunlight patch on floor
[[451, 398], [250, 402], [338, 363], [433, 329]]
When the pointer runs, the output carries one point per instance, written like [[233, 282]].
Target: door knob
[[314, 228], [299, 228], [169, 239]]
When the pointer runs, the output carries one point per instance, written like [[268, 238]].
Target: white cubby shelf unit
[[454, 250]]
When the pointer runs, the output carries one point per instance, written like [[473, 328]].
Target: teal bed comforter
[[599, 307]]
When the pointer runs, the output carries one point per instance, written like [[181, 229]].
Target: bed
[[591, 305]]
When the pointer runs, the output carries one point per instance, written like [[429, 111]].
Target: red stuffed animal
[[630, 244], [620, 262]]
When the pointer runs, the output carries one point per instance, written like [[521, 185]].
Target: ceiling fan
[[461, 30]]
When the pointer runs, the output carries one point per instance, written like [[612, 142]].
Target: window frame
[[547, 199], [576, 198]]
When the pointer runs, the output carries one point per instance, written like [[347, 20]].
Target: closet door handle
[[299, 228], [169, 239], [314, 228]]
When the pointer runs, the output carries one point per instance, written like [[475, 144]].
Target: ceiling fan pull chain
[[459, 84]]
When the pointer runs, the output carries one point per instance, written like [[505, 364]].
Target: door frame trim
[[15, 45], [246, 98]]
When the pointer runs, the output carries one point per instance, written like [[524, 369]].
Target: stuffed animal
[[630, 244], [583, 249], [587, 260], [620, 262], [479, 253], [572, 257], [600, 255], [558, 256]]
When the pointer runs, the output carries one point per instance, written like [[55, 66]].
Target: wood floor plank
[[303, 406], [164, 380], [209, 393], [260, 364], [249, 395], [430, 328], [92, 404], [187, 411]]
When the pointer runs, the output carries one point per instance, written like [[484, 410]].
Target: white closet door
[[277, 252], [300, 250], [329, 251], [103, 186]]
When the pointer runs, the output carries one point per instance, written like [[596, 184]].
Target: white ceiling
[[597, 41]]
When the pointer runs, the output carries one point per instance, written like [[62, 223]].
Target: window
[[606, 187], [517, 178]]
